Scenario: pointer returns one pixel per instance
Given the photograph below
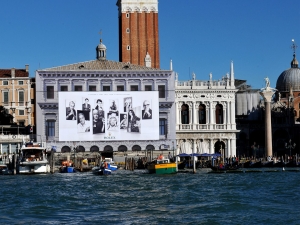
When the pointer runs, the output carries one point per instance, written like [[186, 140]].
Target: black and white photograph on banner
[[123, 121], [86, 106], [70, 110], [147, 111], [112, 121], [83, 125], [134, 120], [98, 123], [108, 116], [99, 106], [114, 106], [127, 104]]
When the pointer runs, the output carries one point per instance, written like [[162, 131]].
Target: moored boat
[[33, 159], [4, 170], [163, 166], [67, 167]]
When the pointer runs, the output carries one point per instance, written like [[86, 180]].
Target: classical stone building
[[102, 75], [205, 115], [17, 96]]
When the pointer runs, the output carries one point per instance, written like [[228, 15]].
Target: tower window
[[127, 15], [128, 47], [127, 30]]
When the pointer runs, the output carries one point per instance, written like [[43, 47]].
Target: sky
[[200, 36]]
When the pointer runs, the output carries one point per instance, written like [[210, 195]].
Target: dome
[[101, 45], [289, 78]]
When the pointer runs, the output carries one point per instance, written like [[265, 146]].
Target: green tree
[[5, 118]]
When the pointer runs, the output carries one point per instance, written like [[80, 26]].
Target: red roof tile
[[5, 73]]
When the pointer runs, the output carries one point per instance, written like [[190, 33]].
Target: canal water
[[128, 197]]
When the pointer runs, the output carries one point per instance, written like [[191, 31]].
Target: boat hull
[[67, 169], [165, 168], [101, 171], [34, 168]]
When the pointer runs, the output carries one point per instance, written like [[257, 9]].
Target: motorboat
[[67, 167], [101, 171], [33, 159], [111, 164], [163, 166]]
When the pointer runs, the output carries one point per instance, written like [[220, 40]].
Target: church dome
[[289, 78]]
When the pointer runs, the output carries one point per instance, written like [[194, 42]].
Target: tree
[[5, 118]]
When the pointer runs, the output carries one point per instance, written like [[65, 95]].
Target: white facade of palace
[[205, 115], [102, 75]]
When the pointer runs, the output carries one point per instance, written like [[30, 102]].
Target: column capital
[[267, 94]]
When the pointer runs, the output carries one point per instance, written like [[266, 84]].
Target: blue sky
[[199, 36]]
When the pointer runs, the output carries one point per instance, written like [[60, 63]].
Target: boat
[[101, 171], [4, 170], [111, 164], [33, 159], [224, 167], [182, 165], [67, 167], [163, 166]]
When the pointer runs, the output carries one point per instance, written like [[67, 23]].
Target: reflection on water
[[128, 197]]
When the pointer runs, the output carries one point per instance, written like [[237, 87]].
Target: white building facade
[[102, 75], [205, 115]]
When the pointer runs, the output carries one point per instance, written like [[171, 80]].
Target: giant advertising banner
[[108, 116]]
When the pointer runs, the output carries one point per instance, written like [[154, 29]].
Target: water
[[137, 198]]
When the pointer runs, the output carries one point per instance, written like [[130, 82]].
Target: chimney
[[27, 68], [13, 73]]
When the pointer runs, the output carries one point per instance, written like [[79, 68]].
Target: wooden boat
[[163, 166]]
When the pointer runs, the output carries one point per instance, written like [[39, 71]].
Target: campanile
[[138, 32]]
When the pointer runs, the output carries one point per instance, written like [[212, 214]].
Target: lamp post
[[290, 146]]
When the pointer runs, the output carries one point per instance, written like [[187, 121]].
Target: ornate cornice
[[48, 105]]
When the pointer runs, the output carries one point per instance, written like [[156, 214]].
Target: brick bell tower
[[138, 32]]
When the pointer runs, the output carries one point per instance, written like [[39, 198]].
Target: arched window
[[94, 148], [185, 114], [202, 114], [136, 148], [122, 148], [65, 149], [150, 147], [108, 148], [80, 148], [219, 114]]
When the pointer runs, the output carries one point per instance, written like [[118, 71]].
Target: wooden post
[[14, 163], [52, 162]]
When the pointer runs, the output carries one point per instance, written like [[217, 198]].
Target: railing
[[201, 126], [14, 137]]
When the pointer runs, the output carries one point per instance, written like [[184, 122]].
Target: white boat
[[33, 159]]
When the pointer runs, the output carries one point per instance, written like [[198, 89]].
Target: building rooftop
[[7, 73], [99, 65]]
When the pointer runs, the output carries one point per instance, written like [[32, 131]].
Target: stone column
[[211, 146], [267, 94], [211, 114], [232, 113]]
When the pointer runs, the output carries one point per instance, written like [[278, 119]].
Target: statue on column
[[267, 82]]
